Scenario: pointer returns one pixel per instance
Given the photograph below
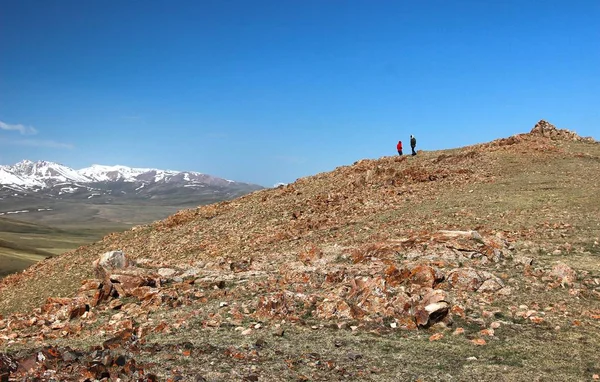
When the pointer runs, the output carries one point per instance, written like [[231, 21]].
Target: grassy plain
[[27, 238]]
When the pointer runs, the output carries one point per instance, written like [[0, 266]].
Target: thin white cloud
[[24, 130], [29, 130], [37, 143]]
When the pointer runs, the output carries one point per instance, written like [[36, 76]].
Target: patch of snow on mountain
[[7, 176], [165, 175], [69, 190], [101, 173]]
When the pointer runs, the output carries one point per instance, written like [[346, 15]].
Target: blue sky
[[270, 91]]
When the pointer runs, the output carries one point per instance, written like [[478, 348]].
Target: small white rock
[[166, 272]]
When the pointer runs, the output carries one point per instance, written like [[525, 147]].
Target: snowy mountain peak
[[43, 170]]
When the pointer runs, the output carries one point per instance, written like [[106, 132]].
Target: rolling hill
[[476, 263]]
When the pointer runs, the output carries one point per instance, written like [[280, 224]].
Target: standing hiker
[[399, 147], [413, 144]]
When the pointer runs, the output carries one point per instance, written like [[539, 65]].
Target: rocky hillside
[[473, 263]]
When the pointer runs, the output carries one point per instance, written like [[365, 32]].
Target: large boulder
[[119, 276], [110, 261]]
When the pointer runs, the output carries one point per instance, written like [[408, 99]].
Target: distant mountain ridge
[[44, 178], [43, 174]]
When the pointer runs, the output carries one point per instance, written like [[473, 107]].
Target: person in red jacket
[[399, 147]]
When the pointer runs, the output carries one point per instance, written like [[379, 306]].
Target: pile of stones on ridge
[[548, 130]]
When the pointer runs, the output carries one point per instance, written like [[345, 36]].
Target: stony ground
[[478, 263]]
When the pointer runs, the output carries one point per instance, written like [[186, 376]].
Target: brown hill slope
[[523, 185], [361, 247]]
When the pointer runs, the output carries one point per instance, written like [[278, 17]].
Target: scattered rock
[[354, 356], [458, 331], [490, 286], [279, 332], [506, 291], [524, 260], [77, 310], [564, 273], [436, 337], [166, 272], [465, 279]]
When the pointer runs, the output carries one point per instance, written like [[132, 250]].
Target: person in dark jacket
[[413, 144], [399, 147]]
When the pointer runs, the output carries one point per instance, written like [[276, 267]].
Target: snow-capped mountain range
[[56, 180]]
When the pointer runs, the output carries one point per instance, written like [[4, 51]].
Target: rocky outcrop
[[441, 279], [118, 276]]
